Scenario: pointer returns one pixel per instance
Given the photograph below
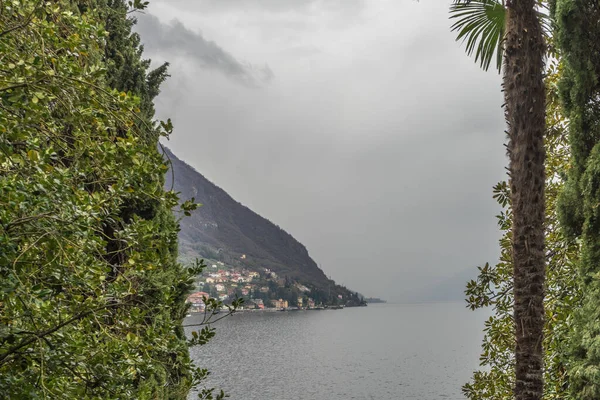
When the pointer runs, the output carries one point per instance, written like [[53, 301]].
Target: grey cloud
[[272, 6], [376, 148], [174, 39]]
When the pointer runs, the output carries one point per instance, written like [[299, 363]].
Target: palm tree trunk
[[525, 115]]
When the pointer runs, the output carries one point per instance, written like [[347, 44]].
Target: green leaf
[[33, 155], [481, 25]]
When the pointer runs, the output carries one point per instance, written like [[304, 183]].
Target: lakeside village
[[262, 291]]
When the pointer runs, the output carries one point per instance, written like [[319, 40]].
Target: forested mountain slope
[[224, 229]]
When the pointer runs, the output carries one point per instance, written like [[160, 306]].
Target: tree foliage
[[91, 295], [481, 24], [578, 40], [493, 286]]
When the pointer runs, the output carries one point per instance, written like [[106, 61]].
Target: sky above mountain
[[360, 127]]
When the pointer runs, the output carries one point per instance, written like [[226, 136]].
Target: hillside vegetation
[[225, 230]]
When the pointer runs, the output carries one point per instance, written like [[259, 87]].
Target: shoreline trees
[[91, 294]]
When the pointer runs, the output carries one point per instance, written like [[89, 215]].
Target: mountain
[[223, 229]]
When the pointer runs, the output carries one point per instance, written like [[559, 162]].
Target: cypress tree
[[578, 40], [128, 71]]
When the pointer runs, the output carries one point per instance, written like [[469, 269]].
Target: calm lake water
[[386, 351]]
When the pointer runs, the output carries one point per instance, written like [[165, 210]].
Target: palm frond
[[480, 24]]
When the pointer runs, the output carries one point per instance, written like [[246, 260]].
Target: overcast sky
[[359, 126]]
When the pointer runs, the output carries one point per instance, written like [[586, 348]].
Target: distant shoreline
[[271, 309], [374, 300]]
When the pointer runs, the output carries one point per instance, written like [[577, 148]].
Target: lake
[[383, 351]]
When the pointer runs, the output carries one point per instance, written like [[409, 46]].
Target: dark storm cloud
[[174, 39]]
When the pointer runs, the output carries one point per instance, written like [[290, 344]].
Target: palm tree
[[481, 24], [512, 31]]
